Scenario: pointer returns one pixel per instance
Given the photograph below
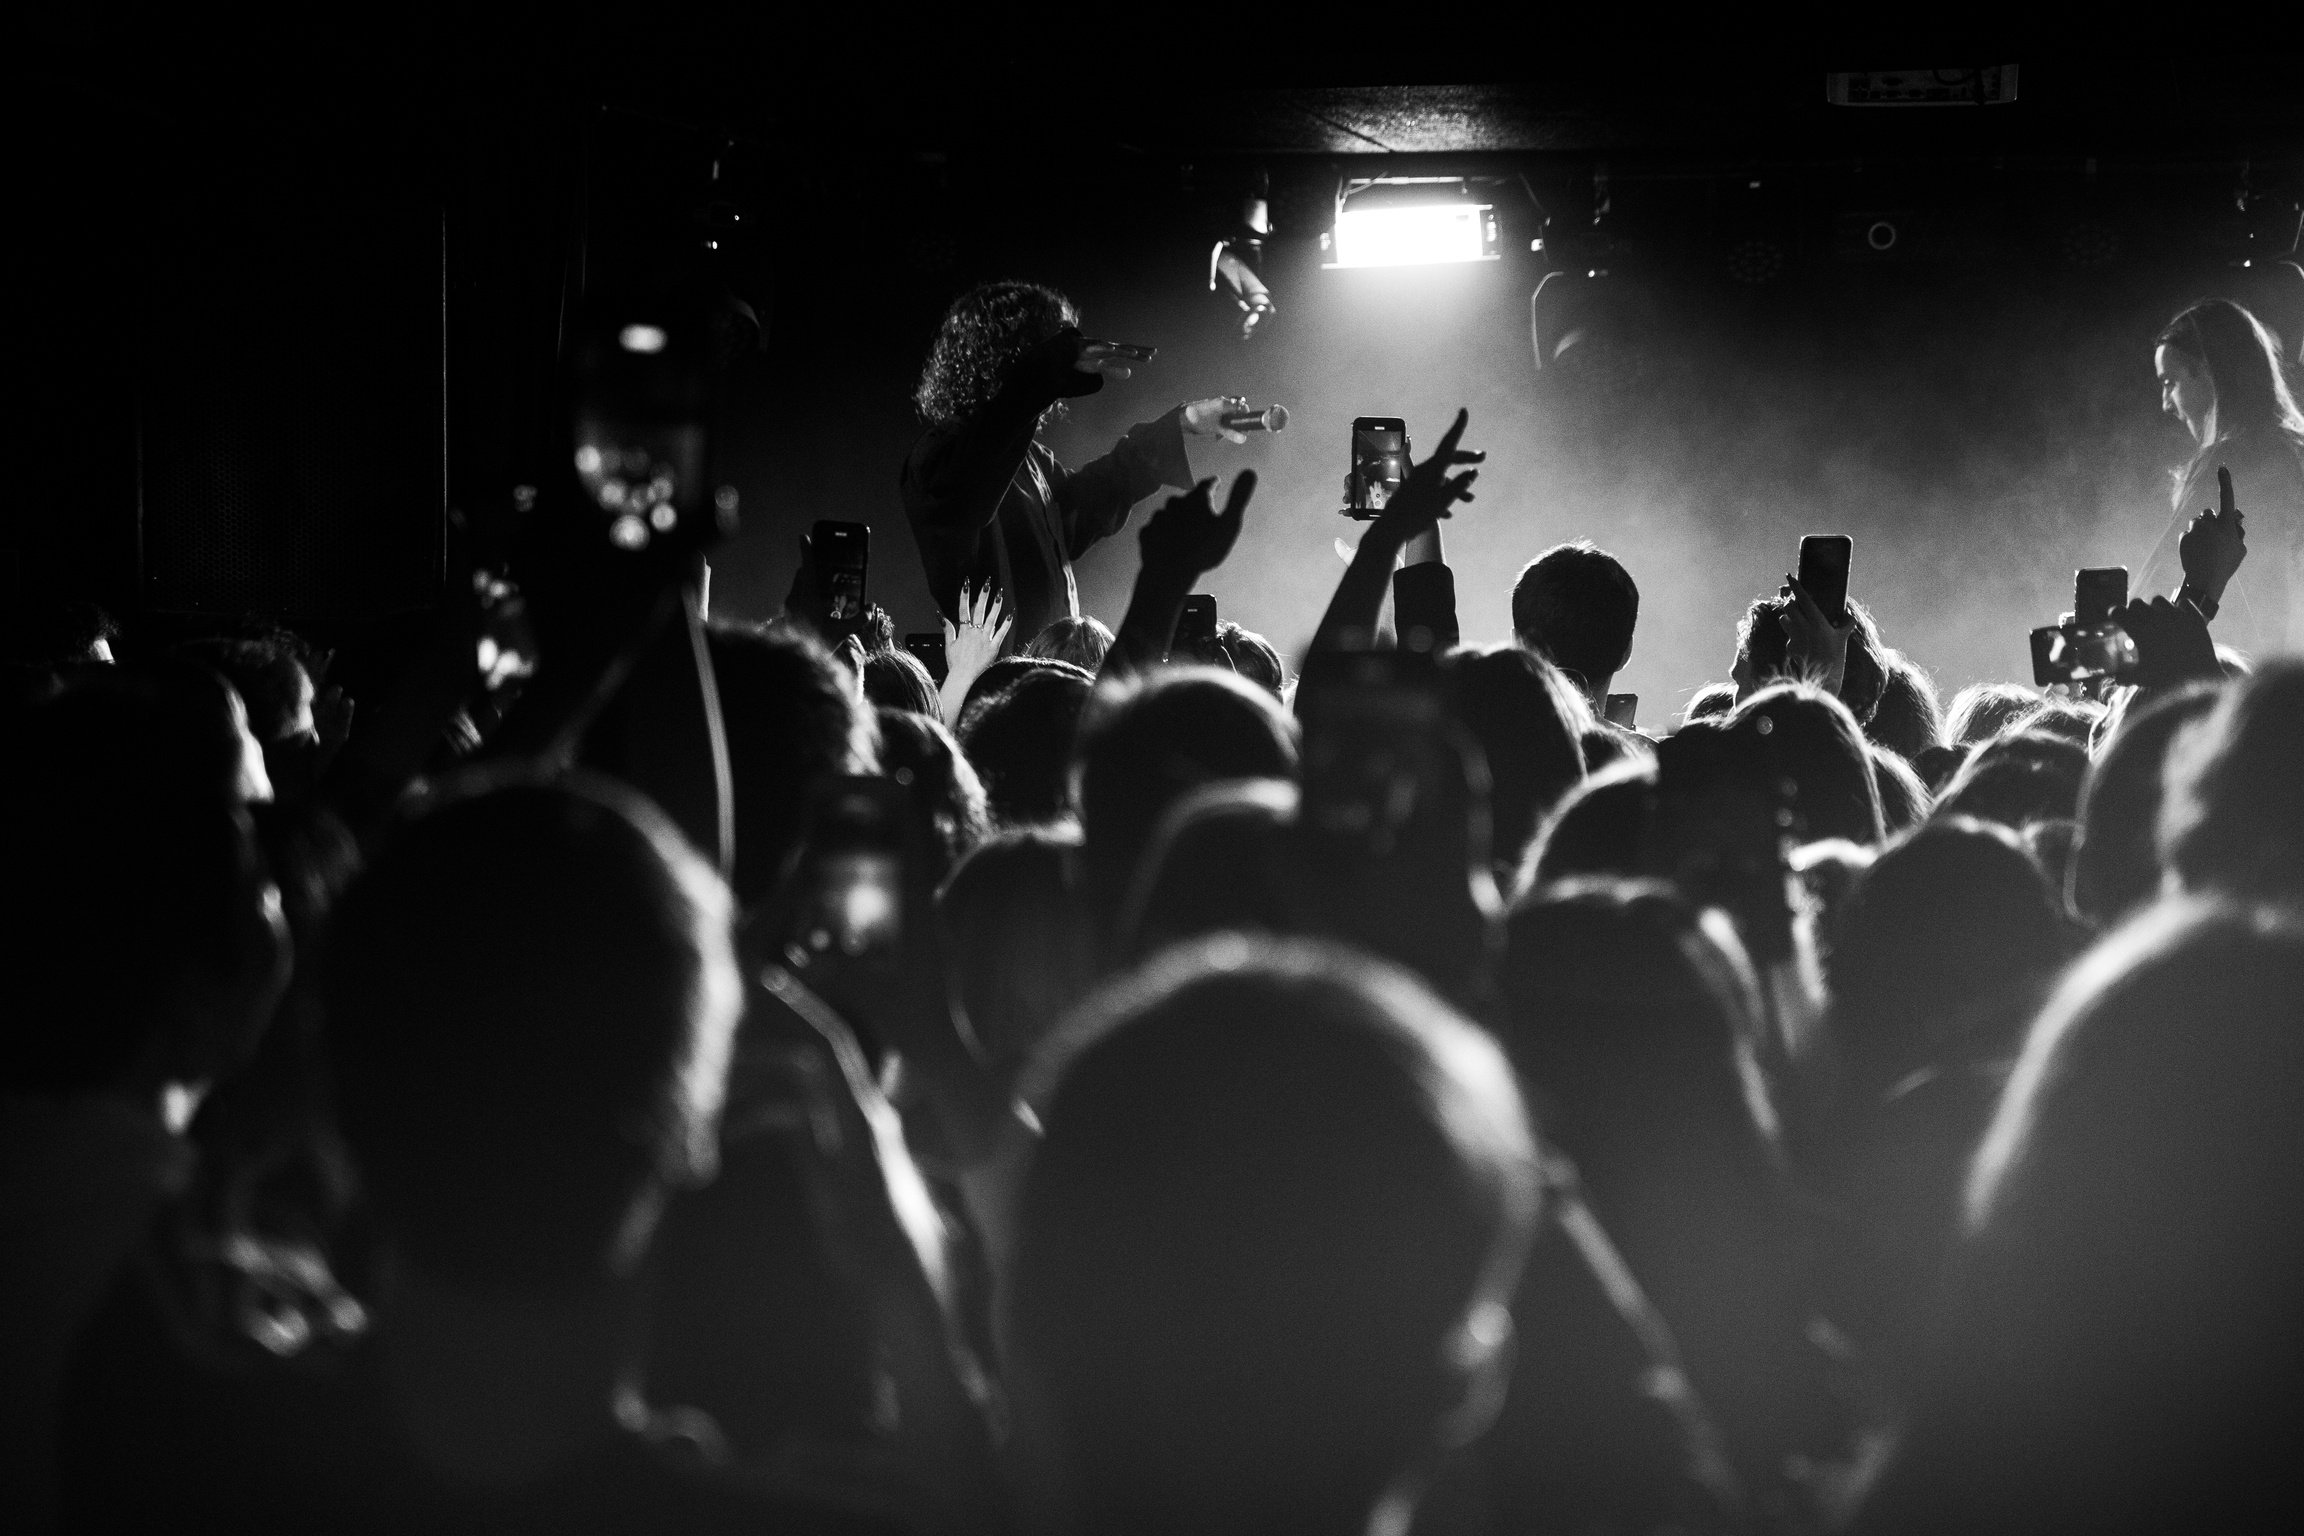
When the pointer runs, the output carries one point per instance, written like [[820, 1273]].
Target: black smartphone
[[1128, 351], [1379, 464], [928, 645], [843, 554], [1375, 742], [851, 876], [1824, 572], [1620, 709], [2097, 594], [1196, 626]]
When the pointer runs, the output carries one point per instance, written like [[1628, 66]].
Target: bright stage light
[[1417, 234]]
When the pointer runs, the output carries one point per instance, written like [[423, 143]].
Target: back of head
[[1525, 718], [1939, 952], [1764, 653], [1982, 711], [1576, 606], [2125, 1352], [529, 999], [900, 680], [1282, 1195], [1009, 670], [1081, 640], [1909, 719], [1601, 828], [1021, 737], [1253, 657], [1638, 1019], [2073, 719], [1905, 798], [1810, 738], [2019, 780], [134, 937], [2116, 866], [1018, 938], [1219, 861], [918, 753], [793, 721], [983, 333], [2234, 816], [1710, 702], [1142, 748]]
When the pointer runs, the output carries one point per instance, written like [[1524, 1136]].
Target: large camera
[[2088, 645]]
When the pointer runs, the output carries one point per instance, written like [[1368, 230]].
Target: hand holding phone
[[842, 554], [1196, 629]]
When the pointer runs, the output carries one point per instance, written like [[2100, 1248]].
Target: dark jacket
[[991, 507]]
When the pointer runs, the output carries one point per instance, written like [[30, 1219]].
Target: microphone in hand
[[1272, 418]]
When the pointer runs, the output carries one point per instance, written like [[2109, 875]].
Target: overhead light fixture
[[1411, 222]]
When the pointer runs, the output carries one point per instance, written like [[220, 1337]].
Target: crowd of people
[[1122, 1085]]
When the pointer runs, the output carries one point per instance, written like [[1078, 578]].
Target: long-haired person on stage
[[990, 506], [2221, 376]]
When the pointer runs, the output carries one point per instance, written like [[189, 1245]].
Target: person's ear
[[1480, 1355]]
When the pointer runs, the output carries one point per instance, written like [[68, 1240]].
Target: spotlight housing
[[1411, 222]]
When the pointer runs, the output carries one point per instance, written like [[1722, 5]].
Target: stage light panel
[[1414, 235]]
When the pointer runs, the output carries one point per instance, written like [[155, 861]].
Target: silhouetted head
[[1253, 657], [2233, 820], [1021, 740], [2123, 1349], [1018, 938], [1939, 953], [1576, 606], [1764, 655], [1601, 829], [1982, 711], [1266, 1244], [2019, 779], [530, 998], [1909, 719], [1710, 702], [2116, 865], [1081, 640], [920, 754], [793, 721], [1219, 861], [1905, 798], [1810, 738], [1636, 1020], [900, 680], [1525, 717], [2075, 720], [1142, 747]]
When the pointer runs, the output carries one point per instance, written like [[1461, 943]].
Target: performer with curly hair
[[990, 506]]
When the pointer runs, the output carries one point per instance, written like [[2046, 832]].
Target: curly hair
[[983, 333]]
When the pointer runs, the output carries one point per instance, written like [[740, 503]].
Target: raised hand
[[1815, 646], [971, 645], [2213, 547], [2172, 644], [1188, 537], [1430, 490]]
